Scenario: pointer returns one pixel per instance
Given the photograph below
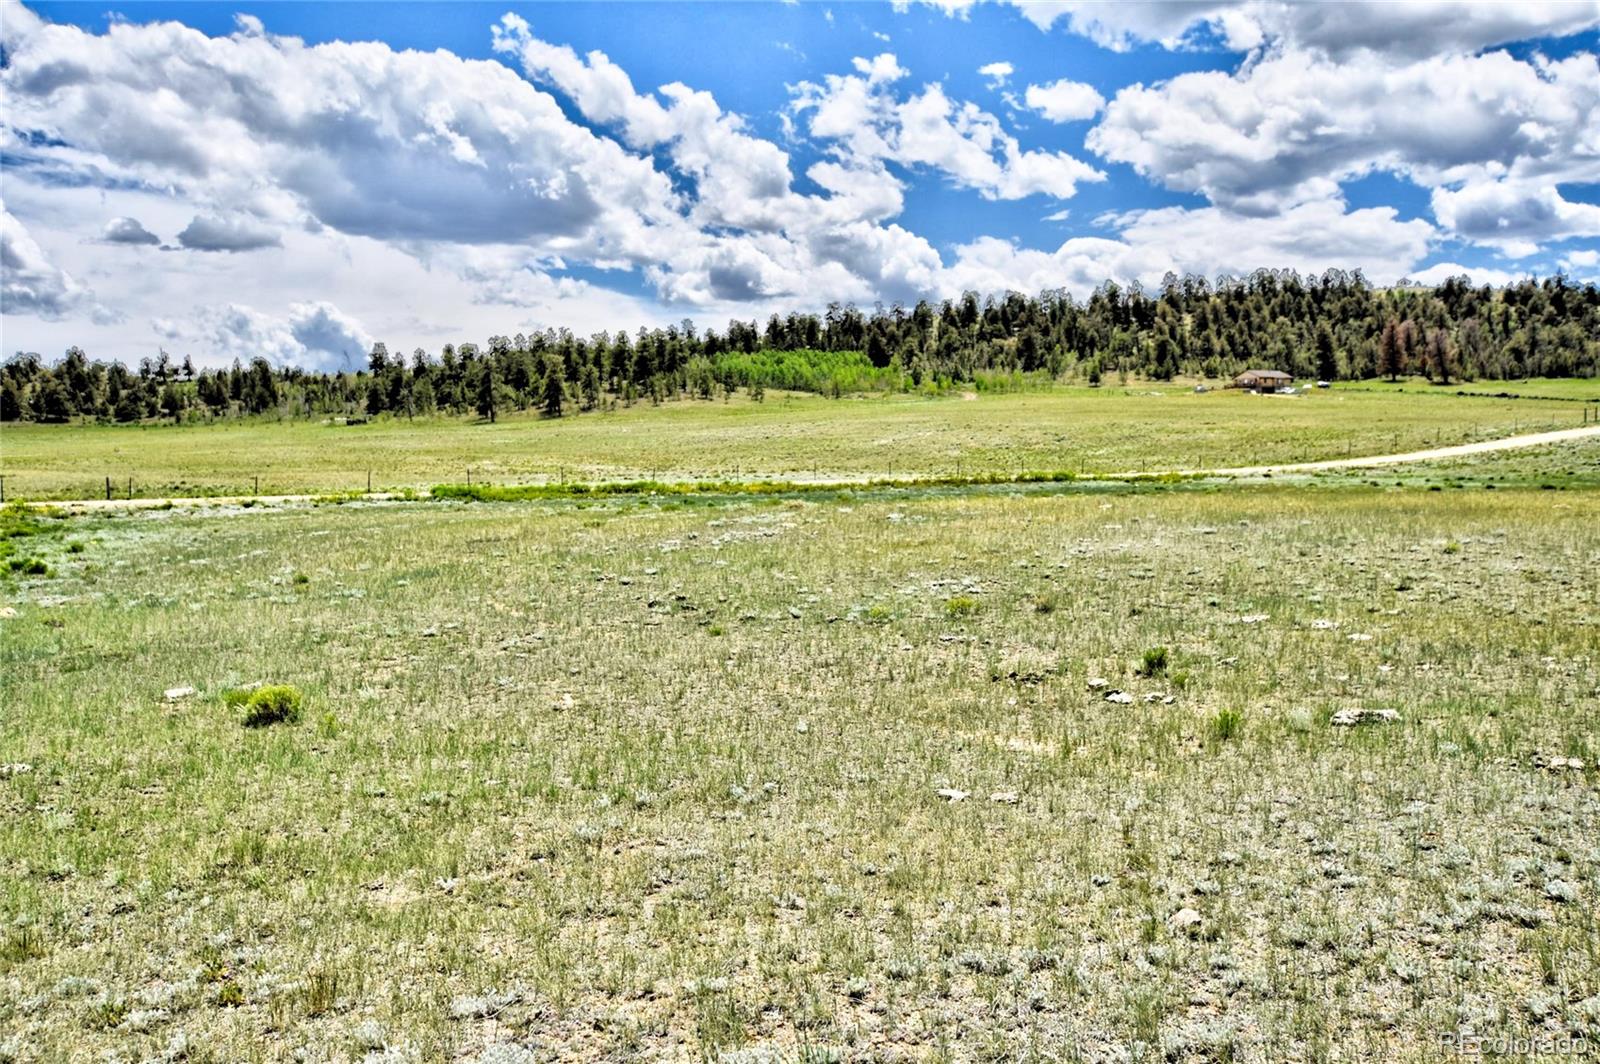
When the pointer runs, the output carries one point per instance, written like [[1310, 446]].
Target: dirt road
[[1535, 439], [1509, 443]]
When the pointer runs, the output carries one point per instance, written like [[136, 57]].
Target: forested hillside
[[1335, 326]]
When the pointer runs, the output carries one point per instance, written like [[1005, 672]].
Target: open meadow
[[1053, 773], [1030, 532], [789, 436]]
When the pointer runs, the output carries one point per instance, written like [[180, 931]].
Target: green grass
[[629, 776], [787, 437]]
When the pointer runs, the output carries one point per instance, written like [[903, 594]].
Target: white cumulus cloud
[[1064, 100], [997, 74]]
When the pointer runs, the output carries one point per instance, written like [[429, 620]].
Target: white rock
[[1349, 718], [802, 727], [1122, 698], [1324, 625], [16, 768], [1097, 682], [1185, 921], [952, 794], [178, 694], [1004, 797], [7, 611], [1360, 637]]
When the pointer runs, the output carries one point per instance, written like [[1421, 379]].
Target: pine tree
[[1441, 356], [1390, 355], [487, 384], [555, 391], [1327, 361]]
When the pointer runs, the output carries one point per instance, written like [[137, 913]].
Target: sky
[[299, 180]]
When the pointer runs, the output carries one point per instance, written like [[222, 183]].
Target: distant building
[[1263, 380]]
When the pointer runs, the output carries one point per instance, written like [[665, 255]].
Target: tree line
[[1332, 326]]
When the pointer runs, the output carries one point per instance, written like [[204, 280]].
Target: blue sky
[[297, 180]]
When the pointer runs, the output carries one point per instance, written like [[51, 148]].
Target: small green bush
[[1154, 662], [1045, 603], [274, 704], [29, 566], [961, 606]]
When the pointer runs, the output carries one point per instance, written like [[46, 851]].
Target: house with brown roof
[[1263, 380]]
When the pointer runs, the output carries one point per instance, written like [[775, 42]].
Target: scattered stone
[[178, 694], [16, 768], [1558, 764], [1350, 718], [1122, 698], [802, 727], [1252, 618], [794, 612], [1360, 637], [953, 794], [7, 611], [1097, 682], [1004, 797], [1324, 625], [1185, 921]]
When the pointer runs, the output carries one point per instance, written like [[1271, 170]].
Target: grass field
[[1567, 389], [790, 436], [648, 780]]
